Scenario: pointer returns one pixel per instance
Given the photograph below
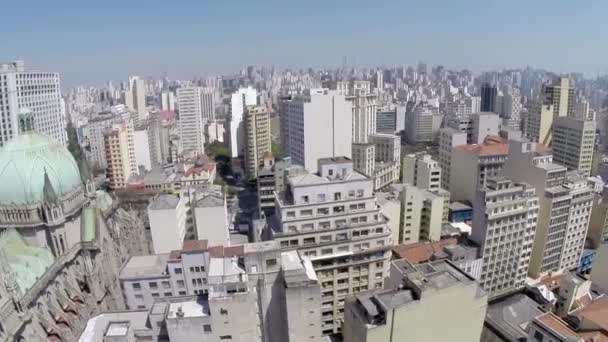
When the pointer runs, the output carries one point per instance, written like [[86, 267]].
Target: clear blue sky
[[91, 41]]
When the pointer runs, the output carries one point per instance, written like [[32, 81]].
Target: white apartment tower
[[135, 97], [167, 101], [504, 221], [37, 91], [191, 125], [238, 102], [573, 142], [119, 147], [364, 108], [258, 138], [421, 170], [316, 124], [565, 201], [332, 218], [448, 138], [208, 105]]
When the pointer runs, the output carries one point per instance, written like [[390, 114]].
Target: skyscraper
[[191, 126], [488, 97], [37, 91], [135, 97], [504, 221], [363, 107], [560, 94], [573, 141], [316, 124], [258, 139], [240, 99], [208, 105], [119, 147]]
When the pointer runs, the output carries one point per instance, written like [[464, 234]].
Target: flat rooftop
[[164, 201], [114, 323], [334, 160], [512, 314], [186, 309], [145, 266], [117, 329]]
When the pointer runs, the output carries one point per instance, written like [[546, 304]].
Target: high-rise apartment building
[[191, 125], [488, 98], [412, 295], [37, 91], [422, 122], [448, 138], [363, 106], [423, 214], [258, 138], [316, 124], [472, 165], [573, 142], [364, 158], [557, 100], [242, 98], [332, 218], [96, 128], [119, 148], [167, 101], [565, 201], [421, 170], [386, 121], [504, 222], [208, 105], [135, 97]]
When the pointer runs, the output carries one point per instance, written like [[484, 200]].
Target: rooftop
[[421, 252], [510, 315], [164, 201], [145, 266], [114, 323], [187, 309]]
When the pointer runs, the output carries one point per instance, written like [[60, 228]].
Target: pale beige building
[[421, 170], [257, 138], [423, 213], [504, 219], [565, 201], [557, 101], [364, 108], [573, 142], [119, 149], [332, 218], [598, 224], [472, 165], [435, 301], [448, 138]]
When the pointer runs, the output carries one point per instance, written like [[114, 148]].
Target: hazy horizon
[[89, 43]]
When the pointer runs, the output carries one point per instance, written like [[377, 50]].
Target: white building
[[37, 91], [96, 128], [167, 101], [421, 170], [364, 158], [167, 215], [504, 222], [210, 215], [363, 100], [208, 105], [141, 143], [135, 97], [573, 142], [565, 201], [252, 292], [316, 124], [422, 123], [240, 99], [448, 138], [191, 125], [216, 130], [332, 218]]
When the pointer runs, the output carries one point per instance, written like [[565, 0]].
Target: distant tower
[[488, 97]]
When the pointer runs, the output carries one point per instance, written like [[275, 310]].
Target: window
[[155, 295], [337, 196], [223, 312], [307, 212], [271, 262], [291, 214], [326, 251], [360, 193], [197, 269], [153, 285], [207, 328], [166, 285], [178, 271], [292, 229], [339, 209], [226, 338], [341, 236], [180, 283], [182, 293], [168, 294], [305, 199], [538, 336], [308, 226], [136, 286], [139, 297], [309, 241], [323, 211], [321, 197]]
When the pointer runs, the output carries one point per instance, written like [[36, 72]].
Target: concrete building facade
[[326, 113], [448, 138], [257, 138], [119, 149], [167, 215], [242, 98], [363, 100], [37, 91], [573, 143], [421, 171], [504, 220], [414, 293], [191, 126], [332, 218]]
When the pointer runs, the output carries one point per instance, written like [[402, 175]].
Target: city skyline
[[218, 38]]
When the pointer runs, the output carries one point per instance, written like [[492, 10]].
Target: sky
[[89, 42]]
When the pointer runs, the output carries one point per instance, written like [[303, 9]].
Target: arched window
[[62, 245]]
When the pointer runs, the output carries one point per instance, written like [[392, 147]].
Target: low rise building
[[421, 170], [167, 215]]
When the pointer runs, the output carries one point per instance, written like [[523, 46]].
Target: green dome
[[23, 161]]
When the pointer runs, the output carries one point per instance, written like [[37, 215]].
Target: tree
[[277, 150], [73, 145]]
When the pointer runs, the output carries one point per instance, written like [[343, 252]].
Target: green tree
[[277, 150], [73, 145]]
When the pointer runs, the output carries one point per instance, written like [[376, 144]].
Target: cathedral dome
[[23, 163]]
